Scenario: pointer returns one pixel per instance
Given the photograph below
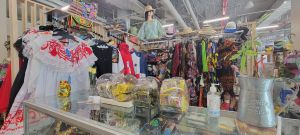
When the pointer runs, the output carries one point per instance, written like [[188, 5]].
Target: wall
[[295, 20], [3, 31]]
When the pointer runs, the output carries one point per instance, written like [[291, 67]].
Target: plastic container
[[213, 107]]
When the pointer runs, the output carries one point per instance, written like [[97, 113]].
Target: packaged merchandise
[[116, 86], [105, 83], [146, 91], [174, 95], [146, 97]]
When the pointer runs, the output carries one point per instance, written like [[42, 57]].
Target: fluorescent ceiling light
[[167, 25], [217, 36], [249, 5], [65, 8], [267, 27], [216, 20]]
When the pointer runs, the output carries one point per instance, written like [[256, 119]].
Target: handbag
[[78, 22]]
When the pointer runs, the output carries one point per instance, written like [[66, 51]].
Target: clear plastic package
[[146, 97], [122, 91], [105, 83], [116, 86], [146, 92], [174, 96]]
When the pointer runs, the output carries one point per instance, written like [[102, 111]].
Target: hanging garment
[[5, 90], [143, 63], [18, 82], [176, 60], [127, 59], [192, 71], [117, 61], [50, 61], [225, 73], [199, 56], [136, 64], [151, 30], [183, 62], [204, 58], [104, 54]]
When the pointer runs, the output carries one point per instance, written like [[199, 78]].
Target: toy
[[64, 89]]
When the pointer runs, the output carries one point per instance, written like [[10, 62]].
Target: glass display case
[[76, 114]]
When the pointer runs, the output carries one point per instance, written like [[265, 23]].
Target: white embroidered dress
[[50, 61]]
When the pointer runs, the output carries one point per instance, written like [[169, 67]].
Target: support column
[[24, 15], [13, 37], [295, 20], [3, 31]]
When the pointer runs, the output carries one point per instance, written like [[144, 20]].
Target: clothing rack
[[126, 33], [157, 44], [97, 28], [123, 32]]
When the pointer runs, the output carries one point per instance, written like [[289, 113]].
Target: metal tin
[[255, 102]]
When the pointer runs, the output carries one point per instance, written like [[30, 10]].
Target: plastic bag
[[174, 95]]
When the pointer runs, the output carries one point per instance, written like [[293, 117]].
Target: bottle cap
[[202, 81], [213, 88]]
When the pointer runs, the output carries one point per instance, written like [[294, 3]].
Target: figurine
[[64, 89]]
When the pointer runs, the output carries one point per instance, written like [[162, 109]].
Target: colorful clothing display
[[151, 30]]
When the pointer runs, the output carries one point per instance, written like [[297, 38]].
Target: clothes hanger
[[47, 28], [63, 34]]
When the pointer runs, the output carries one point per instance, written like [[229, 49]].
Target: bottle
[[200, 104], [213, 108]]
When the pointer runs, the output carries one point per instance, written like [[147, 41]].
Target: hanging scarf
[[204, 60]]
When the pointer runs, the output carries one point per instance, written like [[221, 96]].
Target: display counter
[[76, 114]]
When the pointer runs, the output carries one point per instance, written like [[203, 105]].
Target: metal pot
[[255, 102]]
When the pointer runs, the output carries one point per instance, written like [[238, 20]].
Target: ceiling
[[237, 10]]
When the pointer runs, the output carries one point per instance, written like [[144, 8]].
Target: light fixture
[[216, 20], [267, 27], [217, 36], [167, 25], [65, 8]]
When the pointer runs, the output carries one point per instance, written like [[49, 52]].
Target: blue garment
[[143, 62]]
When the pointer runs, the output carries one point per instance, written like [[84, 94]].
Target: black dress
[[19, 80], [104, 54]]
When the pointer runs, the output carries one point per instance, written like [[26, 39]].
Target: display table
[[53, 115]]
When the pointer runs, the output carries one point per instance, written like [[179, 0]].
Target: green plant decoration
[[246, 50]]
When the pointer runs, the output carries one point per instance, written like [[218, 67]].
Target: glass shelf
[[53, 115]]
